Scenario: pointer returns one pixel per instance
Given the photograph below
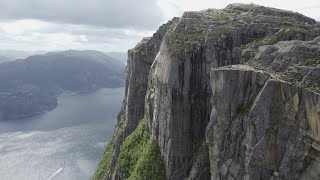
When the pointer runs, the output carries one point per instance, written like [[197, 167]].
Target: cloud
[[32, 35], [105, 25], [141, 14]]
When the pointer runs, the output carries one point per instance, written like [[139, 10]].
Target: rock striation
[[227, 93]]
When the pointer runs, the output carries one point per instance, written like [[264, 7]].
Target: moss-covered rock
[[149, 166], [139, 156], [132, 149], [244, 109], [104, 163]]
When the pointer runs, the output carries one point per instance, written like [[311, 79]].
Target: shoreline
[[63, 94]]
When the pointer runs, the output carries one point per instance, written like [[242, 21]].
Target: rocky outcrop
[[261, 128], [228, 94], [139, 63]]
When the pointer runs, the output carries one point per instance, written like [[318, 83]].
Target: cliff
[[227, 93]]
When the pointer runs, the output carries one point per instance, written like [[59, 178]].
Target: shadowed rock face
[[261, 128], [228, 94], [139, 63]]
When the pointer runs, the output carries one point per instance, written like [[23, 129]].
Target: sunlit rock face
[[228, 94]]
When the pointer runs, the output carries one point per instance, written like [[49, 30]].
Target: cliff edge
[[227, 93]]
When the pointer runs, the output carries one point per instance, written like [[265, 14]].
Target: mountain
[[121, 56], [4, 59], [227, 93], [14, 54], [43, 77], [69, 70], [25, 101]]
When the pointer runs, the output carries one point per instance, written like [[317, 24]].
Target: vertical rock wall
[[213, 118]]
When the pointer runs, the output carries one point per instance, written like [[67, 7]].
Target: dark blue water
[[65, 143]]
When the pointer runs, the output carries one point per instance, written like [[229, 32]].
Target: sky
[[104, 25]]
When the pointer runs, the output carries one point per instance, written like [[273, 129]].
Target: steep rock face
[[233, 93], [262, 128], [178, 108], [140, 59], [213, 119]]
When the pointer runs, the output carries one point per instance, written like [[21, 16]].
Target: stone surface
[[139, 63], [229, 94], [266, 126]]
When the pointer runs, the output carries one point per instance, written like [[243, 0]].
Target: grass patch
[[149, 166], [186, 42], [140, 157], [247, 17], [180, 43], [281, 35], [277, 37], [103, 167], [222, 17], [104, 164], [132, 149]]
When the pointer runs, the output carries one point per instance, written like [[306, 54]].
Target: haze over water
[[71, 137]]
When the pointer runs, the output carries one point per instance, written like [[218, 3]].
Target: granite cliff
[[227, 93]]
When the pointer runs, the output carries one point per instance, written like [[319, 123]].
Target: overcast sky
[[105, 25]]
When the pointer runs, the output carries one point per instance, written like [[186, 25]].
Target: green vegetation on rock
[[222, 17], [244, 109], [150, 165], [132, 149], [315, 86], [104, 163], [189, 36], [282, 35], [183, 43], [139, 156], [248, 18]]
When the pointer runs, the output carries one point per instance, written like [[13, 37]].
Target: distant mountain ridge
[[51, 74], [121, 56], [15, 54], [69, 70], [4, 59]]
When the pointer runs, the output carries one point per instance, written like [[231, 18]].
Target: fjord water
[[65, 143]]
